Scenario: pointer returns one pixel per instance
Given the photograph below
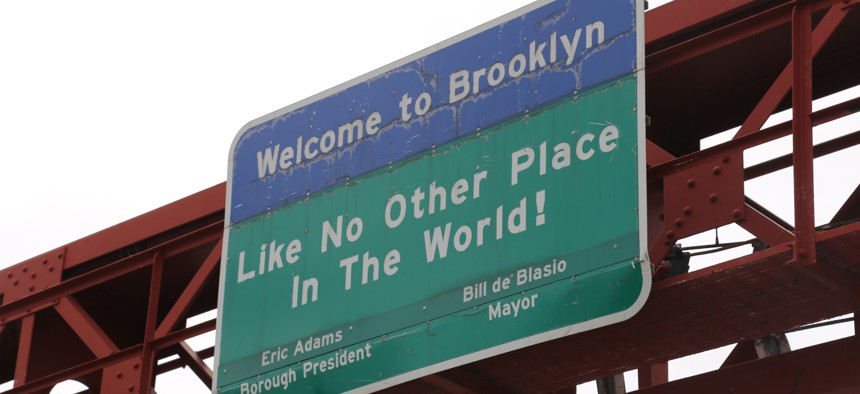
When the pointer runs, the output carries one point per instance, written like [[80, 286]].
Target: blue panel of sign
[[469, 83]]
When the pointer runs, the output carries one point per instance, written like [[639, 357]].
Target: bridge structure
[[105, 309]]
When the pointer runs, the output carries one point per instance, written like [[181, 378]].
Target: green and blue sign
[[500, 207]]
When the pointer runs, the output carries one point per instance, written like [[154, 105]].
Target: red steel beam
[[446, 385], [113, 270], [817, 369], [667, 164], [655, 155], [147, 378], [190, 292], [180, 363], [187, 210], [837, 280], [718, 38], [684, 15], [823, 149], [767, 105], [25, 344], [195, 362], [472, 382], [743, 351], [654, 374], [850, 209], [87, 329], [750, 218], [802, 53], [766, 226], [123, 355]]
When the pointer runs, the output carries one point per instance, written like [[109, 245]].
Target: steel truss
[[102, 310]]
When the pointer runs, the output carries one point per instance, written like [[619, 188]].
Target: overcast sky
[[111, 109]]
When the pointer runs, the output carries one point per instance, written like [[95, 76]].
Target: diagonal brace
[[87, 329], [190, 293]]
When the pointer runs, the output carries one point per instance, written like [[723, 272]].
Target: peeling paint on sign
[[427, 100]]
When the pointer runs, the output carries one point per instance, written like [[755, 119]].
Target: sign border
[[602, 321]]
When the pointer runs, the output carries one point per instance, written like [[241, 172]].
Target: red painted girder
[[191, 291], [767, 227], [802, 53], [673, 30], [195, 363], [182, 212], [662, 169], [31, 276], [850, 209], [823, 149], [123, 355], [654, 374], [87, 329], [683, 15], [25, 341], [180, 363], [781, 86], [655, 155], [113, 270], [743, 351], [843, 284], [817, 369], [121, 377], [147, 378], [718, 38]]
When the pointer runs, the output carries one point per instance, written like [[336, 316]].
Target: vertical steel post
[[801, 94], [654, 374], [148, 353], [25, 345]]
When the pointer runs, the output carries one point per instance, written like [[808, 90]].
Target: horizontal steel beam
[[818, 369]]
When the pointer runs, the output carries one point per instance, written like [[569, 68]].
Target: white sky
[[111, 109]]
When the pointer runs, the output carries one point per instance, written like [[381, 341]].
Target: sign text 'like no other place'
[[478, 197]]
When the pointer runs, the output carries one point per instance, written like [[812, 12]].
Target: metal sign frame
[[642, 259]]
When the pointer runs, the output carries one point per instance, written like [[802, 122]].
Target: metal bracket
[[703, 197], [30, 277], [123, 377]]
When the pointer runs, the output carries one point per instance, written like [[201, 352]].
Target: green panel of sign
[[518, 234]]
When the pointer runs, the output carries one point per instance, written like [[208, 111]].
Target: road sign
[[431, 242]]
